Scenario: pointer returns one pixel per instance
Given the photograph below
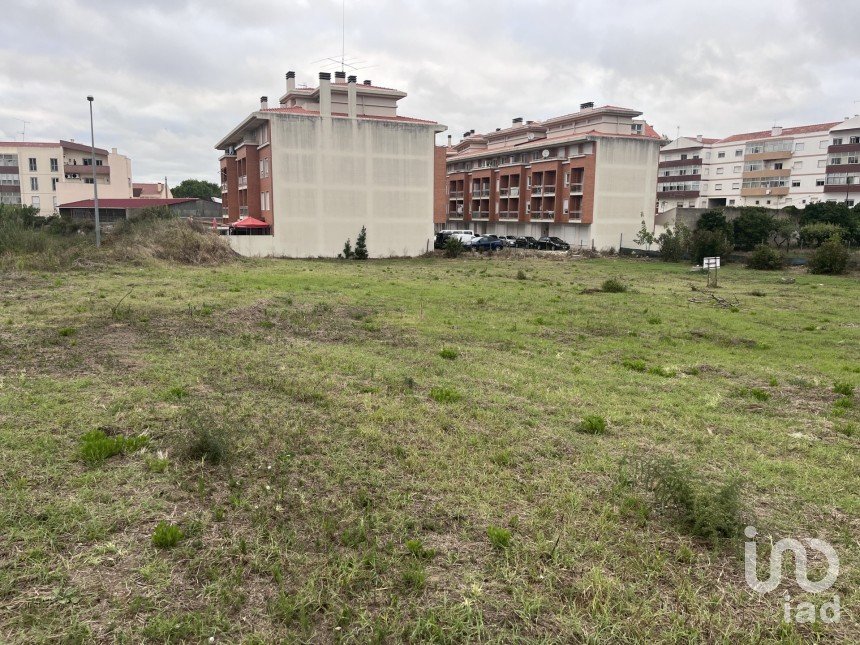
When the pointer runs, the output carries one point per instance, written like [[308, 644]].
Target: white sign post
[[713, 267]]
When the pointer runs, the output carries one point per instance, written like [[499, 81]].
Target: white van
[[464, 235]]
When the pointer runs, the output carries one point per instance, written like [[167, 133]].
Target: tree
[[708, 243], [831, 257], [752, 227], [645, 237], [197, 188], [674, 245], [838, 213], [818, 233], [361, 245], [784, 230], [715, 221], [347, 252]]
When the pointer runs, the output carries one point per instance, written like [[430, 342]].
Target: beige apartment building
[[46, 175], [588, 177], [770, 168], [326, 161]]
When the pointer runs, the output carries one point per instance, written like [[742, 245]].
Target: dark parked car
[[526, 242], [441, 240], [553, 244], [486, 243]]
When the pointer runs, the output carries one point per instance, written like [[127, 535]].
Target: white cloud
[[171, 76]]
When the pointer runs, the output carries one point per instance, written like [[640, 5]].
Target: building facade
[[586, 177], [156, 190], [45, 175], [327, 161], [772, 168]]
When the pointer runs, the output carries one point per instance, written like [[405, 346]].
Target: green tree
[[715, 221], [831, 257], [645, 237], [347, 252], [197, 188], [707, 243], [361, 245], [752, 227], [818, 233], [783, 232], [674, 244], [837, 213]]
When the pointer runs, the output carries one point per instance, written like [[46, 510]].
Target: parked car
[[509, 240], [553, 244], [441, 240], [486, 243], [526, 242], [464, 235]]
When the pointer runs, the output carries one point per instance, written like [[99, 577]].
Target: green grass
[[336, 479], [166, 536]]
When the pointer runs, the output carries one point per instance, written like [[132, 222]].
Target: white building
[[772, 168], [45, 175], [325, 162]]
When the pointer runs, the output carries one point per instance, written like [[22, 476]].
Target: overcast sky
[[171, 77]]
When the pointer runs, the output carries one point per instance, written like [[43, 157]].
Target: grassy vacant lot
[[394, 450]]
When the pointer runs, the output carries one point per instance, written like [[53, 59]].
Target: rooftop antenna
[[24, 129], [343, 61], [678, 132]]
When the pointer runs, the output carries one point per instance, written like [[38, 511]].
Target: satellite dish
[[544, 154]]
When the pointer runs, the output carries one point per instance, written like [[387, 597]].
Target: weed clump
[[166, 536], [592, 424], [500, 538], [637, 365], [700, 508], [844, 388], [449, 354], [417, 550], [65, 332], [612, 285], [445, 395], [96, 446], [453, 247], [521, 275]]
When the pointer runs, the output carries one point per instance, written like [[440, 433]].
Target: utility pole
[[95, 184]]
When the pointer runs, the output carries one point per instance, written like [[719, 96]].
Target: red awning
[[249, 222]]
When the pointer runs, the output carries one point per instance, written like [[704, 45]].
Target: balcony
[[503, 192], [549, 191], [455, 215], [543, 215], [481, 192], [680, 162], [575, 215], [480, 215], [84, 170], [455, 194], [537, 191], [243, 181], [243, 211], [509, 215], [576, 188]]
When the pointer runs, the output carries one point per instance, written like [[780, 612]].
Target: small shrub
[[637, 365], [449, 354], [445, 395], [503, 458], [654, 320], [765, 258], [500, 538], [415, 577], [67, 331], [166, 536], [665, 372], [845, 389], [613, 286], [453, 247], [96, 447], [701, 509], [521, 275], [592, 424], [758, 394], [208, 443], [829, 258], [176, 393]]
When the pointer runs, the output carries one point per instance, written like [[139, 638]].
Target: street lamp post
[[95, 185]]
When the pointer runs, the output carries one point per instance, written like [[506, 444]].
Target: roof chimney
[[351, 102], [113, 151], [449, 140], [291, 81], [776, 131], [264, 102], [352, 79], [517, 120], [325, 94], [529, 122], [497, 129], [699, 138], [340, 77], [466, 134], [367, 82], [587, 105]]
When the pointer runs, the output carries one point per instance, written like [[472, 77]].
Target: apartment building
[[156, 190], [45, 175], [771, 168], [326, 161], [586, 177]]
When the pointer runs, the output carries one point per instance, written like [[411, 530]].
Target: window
[[720, 171], [837, 141], [34, 183], [33, 164], [854, 140], [683, 157], [707, 155], [736, 186], [54, 181], [36, 201], [567, 179], [731, 202], [721, 155], [777, 165], [739, 153], [850, 203], [795, 183], [718, 186], [737, 168], [88, 180], [819, 182], [797, 165], [798, 147], [55, 166]]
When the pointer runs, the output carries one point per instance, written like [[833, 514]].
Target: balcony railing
[[543, 215], [537, 190], [503, 192], [480, 214], [455, 194], [515, 191], [575, 215], [455, 215], [509, 215], [576, 188], [243, 181], [481, 192], [549, 191]]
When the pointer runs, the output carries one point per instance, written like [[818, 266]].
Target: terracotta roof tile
[[304, 112], [786, 132]]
